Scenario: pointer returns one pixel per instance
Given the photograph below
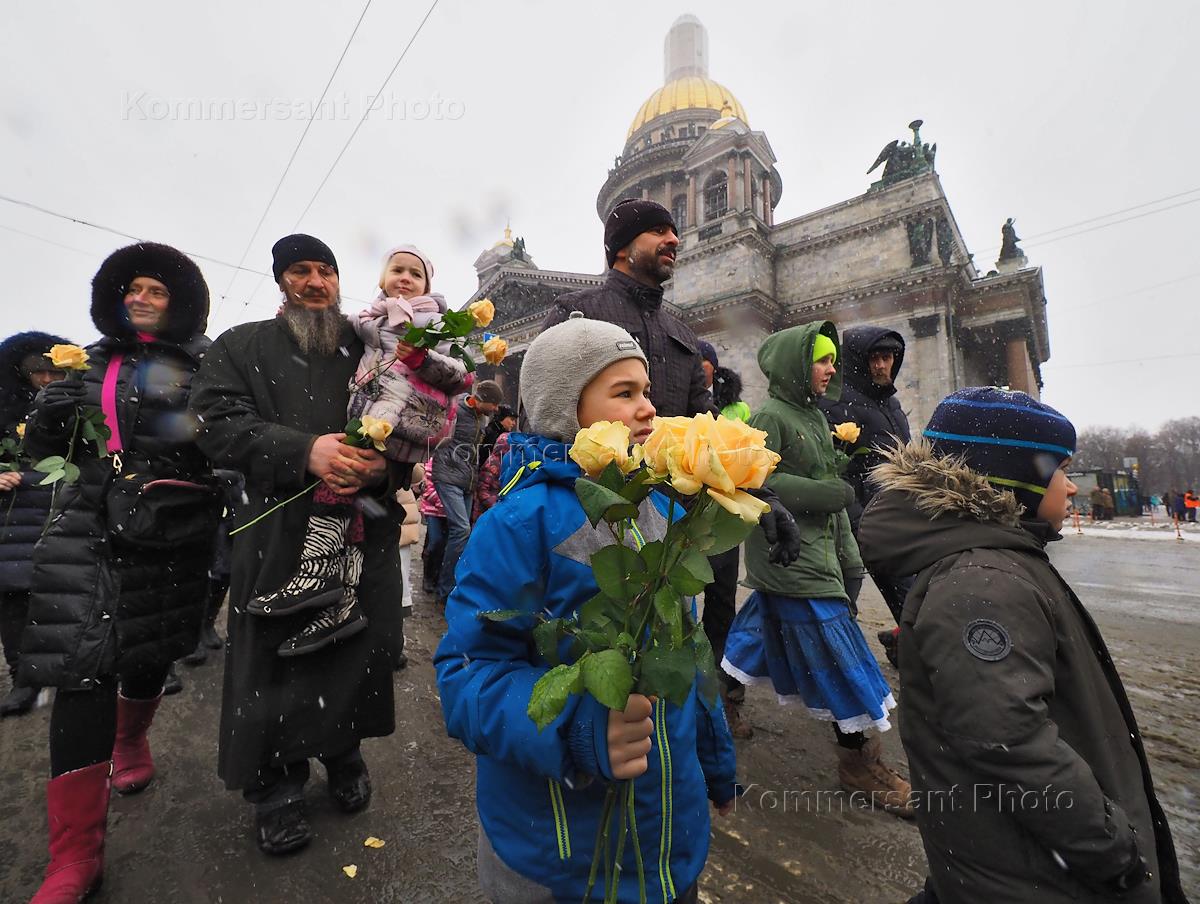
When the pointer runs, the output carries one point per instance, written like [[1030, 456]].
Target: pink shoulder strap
[[108, 401]]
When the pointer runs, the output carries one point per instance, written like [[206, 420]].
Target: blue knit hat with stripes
[[1010, 438]]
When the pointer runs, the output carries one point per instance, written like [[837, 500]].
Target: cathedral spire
[[685, 51]]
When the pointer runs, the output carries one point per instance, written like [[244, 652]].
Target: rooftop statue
[[902, 160]]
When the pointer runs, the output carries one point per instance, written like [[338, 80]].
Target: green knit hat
[[823, 346]]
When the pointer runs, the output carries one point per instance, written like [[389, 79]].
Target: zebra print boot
[[337, 622], [318, 579]]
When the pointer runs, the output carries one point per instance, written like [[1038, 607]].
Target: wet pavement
[[793, 838]]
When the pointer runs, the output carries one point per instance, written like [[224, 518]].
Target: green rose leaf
[[50, 464], [52, 477], [546, 636], [652, 554], [697, 565], [638, 487], [608, 677], [70, 472], [600, 503], [669, 609], [468, 362], [706, 666], [599, 610], [684, 581], [668, 674], [725, 531], [353, 428], [611, 478], [549, 695], [619, 572], [87, 429]]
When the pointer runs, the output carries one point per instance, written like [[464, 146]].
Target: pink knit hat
[[418, 253]]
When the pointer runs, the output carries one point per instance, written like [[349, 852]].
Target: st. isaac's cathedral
[[892, 256]]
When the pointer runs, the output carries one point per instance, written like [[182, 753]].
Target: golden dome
[[690, 93]]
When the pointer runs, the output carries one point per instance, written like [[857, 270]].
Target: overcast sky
[[1053, 114]]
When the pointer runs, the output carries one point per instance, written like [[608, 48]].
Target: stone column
[[693, 210], [767, 213], [1020, 369], [732, 188], [747, 187], [645, 194]]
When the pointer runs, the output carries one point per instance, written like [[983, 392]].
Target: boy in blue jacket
[[539, 794]]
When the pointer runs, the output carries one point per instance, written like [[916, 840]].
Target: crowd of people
[[228, 474]]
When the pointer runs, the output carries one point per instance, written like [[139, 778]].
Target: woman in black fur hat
[[24, 369], [108, 616]]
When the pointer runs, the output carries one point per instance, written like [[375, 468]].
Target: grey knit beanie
[[560, 363]]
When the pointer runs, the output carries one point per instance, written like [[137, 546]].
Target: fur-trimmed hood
[[187, 311], [16, 395], [930, 506]]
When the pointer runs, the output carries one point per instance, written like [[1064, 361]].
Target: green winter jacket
[[806, 479]]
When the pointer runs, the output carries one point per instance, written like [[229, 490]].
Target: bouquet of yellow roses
[[639, 633]]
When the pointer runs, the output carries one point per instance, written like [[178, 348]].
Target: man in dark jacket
[[24, 369], [873, 357], [456, 471], [272, 398], [1031, 778]]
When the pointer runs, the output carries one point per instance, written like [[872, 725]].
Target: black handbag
[[149, 510]]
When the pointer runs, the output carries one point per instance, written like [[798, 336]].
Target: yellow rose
[[847, 432], [376, 430], [742, 504], [495, 350], [595, 447], [720, 453], [21, 430], [482, 311], [68, 357]]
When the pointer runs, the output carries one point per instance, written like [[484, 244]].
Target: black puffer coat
[[100, 607], [23, 510], [875, 409]]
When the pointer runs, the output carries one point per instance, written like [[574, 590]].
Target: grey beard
[[315, 330]]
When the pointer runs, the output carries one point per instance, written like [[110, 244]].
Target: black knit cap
[[300, 247], [629, 219]]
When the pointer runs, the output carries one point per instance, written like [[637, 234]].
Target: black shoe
[[19, 701], [429, 586], [283, 830], [210, 638], [350, 787], [328, 627], [198, 656], [172, 685], [401, 661]]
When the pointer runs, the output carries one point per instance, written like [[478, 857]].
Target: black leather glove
[[56, 404], [779, 527]]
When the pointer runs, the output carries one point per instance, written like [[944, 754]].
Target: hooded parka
[[101, 607], [806, 479], [874, 409], [1029, 769]]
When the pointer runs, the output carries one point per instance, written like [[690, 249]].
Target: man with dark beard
[[271, 398]]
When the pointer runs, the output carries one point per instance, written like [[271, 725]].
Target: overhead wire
[[292, 159], [353, 134]]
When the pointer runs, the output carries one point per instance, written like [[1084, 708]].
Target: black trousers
[[83, 723], [14, 611], [720, 604]]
